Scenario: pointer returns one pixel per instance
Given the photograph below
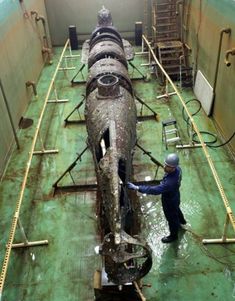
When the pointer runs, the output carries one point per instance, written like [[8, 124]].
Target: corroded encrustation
[[104, 17], [111, 125]]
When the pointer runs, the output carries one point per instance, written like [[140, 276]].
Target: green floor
[[63, 270]]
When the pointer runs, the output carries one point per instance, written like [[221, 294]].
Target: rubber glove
[[132, 186]]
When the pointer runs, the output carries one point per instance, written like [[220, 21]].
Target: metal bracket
[[223, 239], [141, 117], [73, 82], [195, 145], [56, 100], [138, 70], [66, 64], [155, 161], [74, 187], [44, 151], [26, 243], [76, 108], [105, 289]]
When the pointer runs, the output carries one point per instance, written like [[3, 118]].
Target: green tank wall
[[21, 61], [206, 18], [83, 14]]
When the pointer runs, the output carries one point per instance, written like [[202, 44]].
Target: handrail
[[204, 147], [21, 195]]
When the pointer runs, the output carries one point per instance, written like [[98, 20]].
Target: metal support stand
[[193, 145], [142, 49], [105, 290], [142, 297], [73, 82], [71, 55], [56, 100], [150, 63], [146, 117], [26, 243], [223, 239], [141, 53], [75, 187], [135, 68], [141, 117], [66, 57], [155, 161], [149, 57], [167, 94], [76, 108], [66, 64], [44, 151]]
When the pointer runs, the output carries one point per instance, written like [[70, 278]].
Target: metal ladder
[[170, 132], [165, 20], [171, 56], [166, 34]]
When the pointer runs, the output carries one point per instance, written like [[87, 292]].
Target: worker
[[169, 189]]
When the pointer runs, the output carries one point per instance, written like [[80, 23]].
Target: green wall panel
[[5, 133], [7, 7], [21, 60], [206, 20]]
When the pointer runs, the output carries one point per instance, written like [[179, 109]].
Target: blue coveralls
[[169, 189]]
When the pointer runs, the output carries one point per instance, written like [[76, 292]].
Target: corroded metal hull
[[111, 125]]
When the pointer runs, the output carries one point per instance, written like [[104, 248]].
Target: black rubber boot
[[169, 238]]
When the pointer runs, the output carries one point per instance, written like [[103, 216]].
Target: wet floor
[[63, 270]]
